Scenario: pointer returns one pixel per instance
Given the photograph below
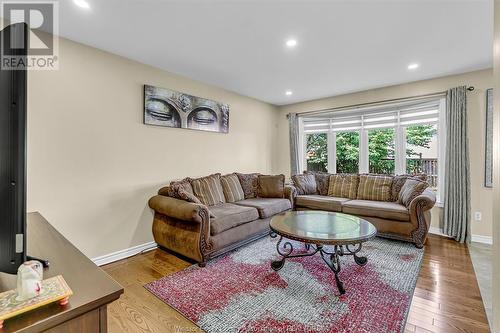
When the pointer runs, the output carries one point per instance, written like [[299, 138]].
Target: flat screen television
[[13, 92]]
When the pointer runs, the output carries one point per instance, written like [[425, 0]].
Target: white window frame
[[400, 147], [441, 152]]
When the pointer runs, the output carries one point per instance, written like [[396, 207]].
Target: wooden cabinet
[[93, 289]]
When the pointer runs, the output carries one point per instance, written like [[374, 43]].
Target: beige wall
[[92, 164], [481, 80]]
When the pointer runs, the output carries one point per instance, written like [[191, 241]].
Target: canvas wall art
[[170, 108], [488, 168]]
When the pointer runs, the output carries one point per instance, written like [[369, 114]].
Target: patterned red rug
[[239, 292]]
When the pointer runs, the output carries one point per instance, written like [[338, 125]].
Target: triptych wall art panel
[[170, 108]]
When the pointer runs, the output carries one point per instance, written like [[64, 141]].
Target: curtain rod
[[386, 101]]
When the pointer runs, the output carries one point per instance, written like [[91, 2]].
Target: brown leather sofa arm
[[420, 216], [181, 226], [426, 200], [290, 194], [178, 209]]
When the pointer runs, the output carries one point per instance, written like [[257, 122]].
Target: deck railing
[[429, 166]]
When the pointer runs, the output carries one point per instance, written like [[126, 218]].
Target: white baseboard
[[474, 238], [437, 231], [122, 254], [482, 239], [132, 251]]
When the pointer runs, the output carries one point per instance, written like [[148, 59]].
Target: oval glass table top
[[322, 227]]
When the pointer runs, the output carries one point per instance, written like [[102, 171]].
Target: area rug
[[239, 292]]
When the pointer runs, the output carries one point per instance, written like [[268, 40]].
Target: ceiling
[[343, 46]]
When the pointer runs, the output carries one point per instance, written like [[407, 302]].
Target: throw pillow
[[322, 181], [399, 181], [232, 188], [174, 187], [185, 184], [271, 186], [209, 190], [185, 195], [411, 189], [249, 183], [305, 183], [167, 191], [343, 186], [373, 187]]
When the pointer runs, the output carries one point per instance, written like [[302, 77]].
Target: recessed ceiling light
[[413, 66], [291, 42], [288, 92], [82, 4]]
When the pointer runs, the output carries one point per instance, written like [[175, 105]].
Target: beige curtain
[[293, 122], [456, 221]]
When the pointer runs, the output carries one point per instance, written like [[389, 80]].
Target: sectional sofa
[[200, 228], [205, 217], [375, 198]]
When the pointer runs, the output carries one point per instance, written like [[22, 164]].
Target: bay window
[[385, 139]]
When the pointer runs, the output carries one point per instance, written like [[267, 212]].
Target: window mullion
[[400, 145], [363, 148], [332, 152]]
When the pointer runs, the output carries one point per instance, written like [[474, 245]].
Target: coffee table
[[346, 233]]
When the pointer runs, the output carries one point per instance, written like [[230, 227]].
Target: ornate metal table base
[[332, 259]]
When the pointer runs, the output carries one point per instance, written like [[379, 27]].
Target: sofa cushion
[[209, 190], [320, 202], [267, 207], [249, 182], [271, 186], [411, 189], [322, 181], [305, 183], [232, 188], [400, 180], [382, 209], [375, 187], [229, 216], [343, 186]]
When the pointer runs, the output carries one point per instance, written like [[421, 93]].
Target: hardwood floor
[[446, 299]]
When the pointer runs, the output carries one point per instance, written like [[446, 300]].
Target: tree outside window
[[347, 149], [317, 152], [381, 151]]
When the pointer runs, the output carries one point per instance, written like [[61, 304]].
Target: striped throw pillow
[[400, 180], [209, 190], [232, 188], [412, 188], [343, 186], [375, 187]]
